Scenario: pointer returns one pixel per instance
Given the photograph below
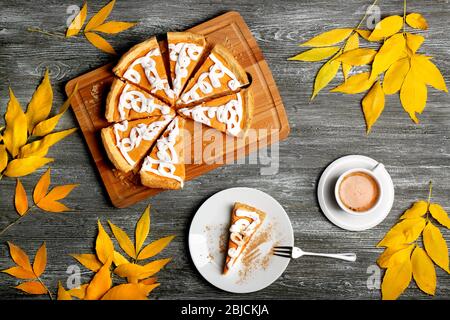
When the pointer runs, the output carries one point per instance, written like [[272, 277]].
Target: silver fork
[[294, 252]]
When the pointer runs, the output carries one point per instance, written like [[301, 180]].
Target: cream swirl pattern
[[207, 81], [149, 65], [183, 54], [138, 133], [166, 155], [230, 114], [136, 100]]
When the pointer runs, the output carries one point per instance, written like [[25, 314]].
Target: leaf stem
[[48, 291], [430, 192], [16, 221], [365, 15], [47, 33], [404, 16]]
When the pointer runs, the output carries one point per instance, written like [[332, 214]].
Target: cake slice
[[143, 66], [231, 114], [127, 142], [220, 74], [164, 166], [245, 221], [128, 102], [185, 51]]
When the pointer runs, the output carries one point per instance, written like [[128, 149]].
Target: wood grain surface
[[269, 121], [328, 128]]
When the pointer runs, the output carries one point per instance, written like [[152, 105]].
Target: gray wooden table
[[330, 127]]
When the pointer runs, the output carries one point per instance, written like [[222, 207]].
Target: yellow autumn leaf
[[15, 134], [19, 257], [103, 245], [351, 44], [386, 28], [79, 292], [395, 75], [45, 127], [390, 51], [355, 84], [100, 283], [406, 231], [357, 57], [77, 23], [3, 158], [119, 259], [147, 288], [123, 240], [373, 105], [62, 293], [41, 188], [88, 260], [428, 72], [41, 103], [324, 76], [49, 205], [328, 38], [436, 246], [32, 287], [154, 248], [148, 281], [22, 167], [20, 273], [416, 21], [384, 259], [127, 291], [414, 41], [154, 267], [132, 271], [440, 215], [100, 16], [39, 148], [20, 199], [413, 94], [50, 201], [397, 277], [113, 27], [365, 34], [142, 229], [315, 54], [40, 261], [99, 42], [418, 209], [423, 271]]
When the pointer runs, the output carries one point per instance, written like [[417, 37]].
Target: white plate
[[208, 238], [329, 206]]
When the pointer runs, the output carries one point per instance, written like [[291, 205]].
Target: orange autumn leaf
[[112, 27], [103, 245], [49, 201], [148, 288], [99, 42], [77, 22], [88, 260], [142, 229], [22, 167], [123, 239], [40, 261], [41, 188], [154, 248], [20, 273], [127, 291], [19, 257], [20, 199], [101, 283], [41, 103], [63, 294], [100, 16], [15, 134], [79, 292], [32, 287]]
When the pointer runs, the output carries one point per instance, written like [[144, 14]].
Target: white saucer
[[329, 206], [208, 238]]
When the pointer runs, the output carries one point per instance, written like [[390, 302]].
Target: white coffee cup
[[372, 174]]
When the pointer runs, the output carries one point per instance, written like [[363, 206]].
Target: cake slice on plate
[[220, 74], [231, 114], [127, 142], [128, 102], [143, 66], [185, 51], [245, 221], [164, 166]]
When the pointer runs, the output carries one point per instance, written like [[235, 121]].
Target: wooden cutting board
[[209, 148]]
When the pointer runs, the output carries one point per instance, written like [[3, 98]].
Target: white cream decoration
[[230, 114], [149, 65], [167, 156], [183, 54], [138, 102], [241, 228], [207, 81], [138, 133]]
